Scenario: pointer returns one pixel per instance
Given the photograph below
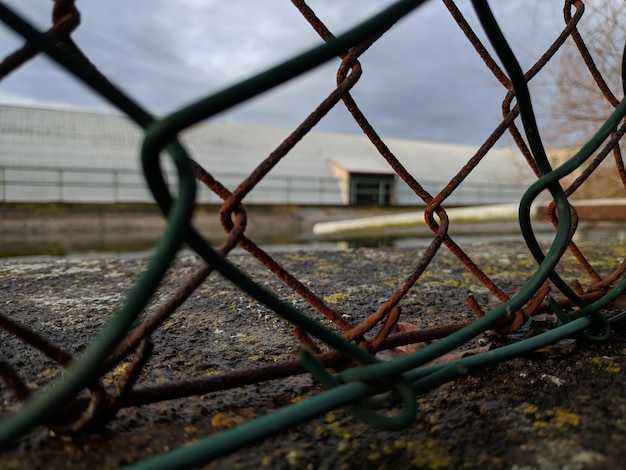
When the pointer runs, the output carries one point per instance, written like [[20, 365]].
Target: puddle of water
[[483, 234]]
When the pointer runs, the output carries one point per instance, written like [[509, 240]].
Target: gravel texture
[[564, 410]]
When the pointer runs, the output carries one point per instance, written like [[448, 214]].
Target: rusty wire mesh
[[376, 332]]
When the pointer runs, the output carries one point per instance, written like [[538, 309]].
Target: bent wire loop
[[359, 388]]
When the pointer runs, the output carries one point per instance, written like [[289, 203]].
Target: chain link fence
[[330, 340]]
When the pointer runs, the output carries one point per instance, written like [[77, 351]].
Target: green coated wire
[[517, 349], [298, 65], [352, 385], [547, 265], [202, 109], [364, 411], [430, 380], [87, 369], [178, 227], [229, 441], [527, 115], [551, 178]]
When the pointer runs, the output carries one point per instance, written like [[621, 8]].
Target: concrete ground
[[60, 229], [562, 408]]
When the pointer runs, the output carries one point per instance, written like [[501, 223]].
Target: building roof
[[36, 137]]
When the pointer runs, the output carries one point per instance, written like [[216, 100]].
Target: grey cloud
[[420, 81]]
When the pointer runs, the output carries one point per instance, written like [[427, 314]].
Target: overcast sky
[[420, 81]]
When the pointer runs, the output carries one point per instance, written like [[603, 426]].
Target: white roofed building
[[75, 156]]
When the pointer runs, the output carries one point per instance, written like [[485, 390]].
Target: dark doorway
[[367, 189]]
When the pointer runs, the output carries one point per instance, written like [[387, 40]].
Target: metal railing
[[20, 183], [82, 184], [581, 306]]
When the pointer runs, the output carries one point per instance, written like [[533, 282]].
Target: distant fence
[[56, 184]]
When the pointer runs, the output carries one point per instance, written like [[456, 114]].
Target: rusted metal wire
[[65, 19], [376, 331], [36, 340]]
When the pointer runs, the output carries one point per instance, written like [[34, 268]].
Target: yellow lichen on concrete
[[607, 363], [546, 421], [298, 458], [429, 453], [343, 447], [324, 267], [49, 373], [335, 298], [248, 340], [532, 410], [13, 465], [563, 418], [226, 421], [120, 371]]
